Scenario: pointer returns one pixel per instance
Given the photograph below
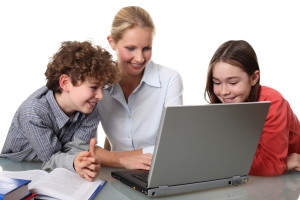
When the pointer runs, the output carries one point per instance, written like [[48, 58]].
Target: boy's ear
[[65, 82], [111, 42], [255, 77]]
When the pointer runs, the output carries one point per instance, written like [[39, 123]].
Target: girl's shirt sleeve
[[271, 154]]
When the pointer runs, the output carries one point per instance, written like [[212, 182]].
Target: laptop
[[200, 147]]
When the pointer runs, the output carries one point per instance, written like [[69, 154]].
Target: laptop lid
[[206, 142]]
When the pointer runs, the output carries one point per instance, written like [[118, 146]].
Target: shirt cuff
[[148, 150]]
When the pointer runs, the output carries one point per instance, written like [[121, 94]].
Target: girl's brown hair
[[238, 53]]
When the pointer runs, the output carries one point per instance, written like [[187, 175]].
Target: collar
[[150, 77], [60, 116]]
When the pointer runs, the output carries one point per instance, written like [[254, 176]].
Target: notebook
[[200, 147]]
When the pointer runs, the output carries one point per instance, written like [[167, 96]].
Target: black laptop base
[[126, 177]]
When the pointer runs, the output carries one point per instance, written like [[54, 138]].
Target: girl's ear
[[65, 82], [111, 42], [255, 77]]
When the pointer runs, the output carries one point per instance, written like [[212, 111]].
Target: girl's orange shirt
[[280, 136]]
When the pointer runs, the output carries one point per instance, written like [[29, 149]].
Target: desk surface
[[285, 187]]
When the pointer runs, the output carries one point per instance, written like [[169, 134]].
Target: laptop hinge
[[237, 180], [163, 186]]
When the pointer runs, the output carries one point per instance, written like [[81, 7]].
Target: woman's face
[[231, 84], [133, 50]]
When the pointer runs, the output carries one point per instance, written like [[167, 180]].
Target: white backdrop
[[188, 33]]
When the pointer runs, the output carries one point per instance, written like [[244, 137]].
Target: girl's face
[[231, 84], [133, 50]]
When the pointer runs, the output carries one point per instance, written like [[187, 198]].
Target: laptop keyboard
[[143, 177]]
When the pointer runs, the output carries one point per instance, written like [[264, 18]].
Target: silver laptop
[[201, 147]]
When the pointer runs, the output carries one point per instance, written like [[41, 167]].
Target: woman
[[130, 111], [233, 76]]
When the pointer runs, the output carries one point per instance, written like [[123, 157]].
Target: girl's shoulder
[[269, 94]]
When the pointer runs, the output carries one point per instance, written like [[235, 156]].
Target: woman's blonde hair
[[129, 17]]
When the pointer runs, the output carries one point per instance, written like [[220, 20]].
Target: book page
[[65, 184], [33, 175]]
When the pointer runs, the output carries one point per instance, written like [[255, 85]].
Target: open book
[[58, 184]]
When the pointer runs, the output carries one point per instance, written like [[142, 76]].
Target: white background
[[188, 33]]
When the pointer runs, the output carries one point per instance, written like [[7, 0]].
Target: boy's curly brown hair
[[81, 60]]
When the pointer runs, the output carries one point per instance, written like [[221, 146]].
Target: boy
[[55, 123]]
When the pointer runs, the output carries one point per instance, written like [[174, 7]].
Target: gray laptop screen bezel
[[216, 142]]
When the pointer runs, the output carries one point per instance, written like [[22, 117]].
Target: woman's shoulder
[[161, 68]]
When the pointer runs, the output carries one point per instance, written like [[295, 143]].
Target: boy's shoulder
[[36, 102]]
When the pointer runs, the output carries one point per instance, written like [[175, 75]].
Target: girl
[[233, 76]]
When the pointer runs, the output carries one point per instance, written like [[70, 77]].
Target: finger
[[87, 177], [143, 166], [93, 142], [83, 164], [90, 159], [148, 156], [147, 162], [83, 154], [94, 167], [146, 167], [146, 159], [81, 158], [90, 174]]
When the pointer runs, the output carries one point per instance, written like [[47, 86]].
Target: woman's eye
[[147, 48], [130, 48], [216, 83], [233, 83]]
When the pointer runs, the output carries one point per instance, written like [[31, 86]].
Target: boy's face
[[84, 96]]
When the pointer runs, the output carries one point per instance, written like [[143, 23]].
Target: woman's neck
[[128, 83]]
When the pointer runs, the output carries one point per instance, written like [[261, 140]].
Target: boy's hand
[[94, 168], [86, 164]]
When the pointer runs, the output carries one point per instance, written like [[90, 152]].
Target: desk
[[285, 187]]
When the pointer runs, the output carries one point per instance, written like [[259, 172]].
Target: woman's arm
[[124, 159]]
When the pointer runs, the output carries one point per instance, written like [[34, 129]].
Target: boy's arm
[[66, 156]]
